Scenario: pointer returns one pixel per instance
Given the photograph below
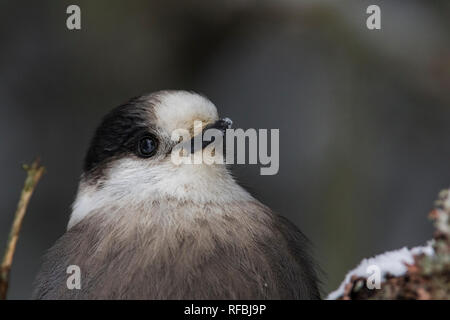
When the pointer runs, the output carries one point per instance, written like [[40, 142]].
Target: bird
[[142, 227]]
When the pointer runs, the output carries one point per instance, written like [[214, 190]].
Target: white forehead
[[179, 109]]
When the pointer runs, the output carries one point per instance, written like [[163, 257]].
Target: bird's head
[[130, 160]]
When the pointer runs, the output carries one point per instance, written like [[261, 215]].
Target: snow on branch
[[417, 273]]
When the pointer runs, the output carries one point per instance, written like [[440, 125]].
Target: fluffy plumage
[[149, 229]]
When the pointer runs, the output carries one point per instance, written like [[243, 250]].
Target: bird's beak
[[221, 124]]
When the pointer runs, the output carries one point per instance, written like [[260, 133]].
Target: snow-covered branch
[[417, 273]]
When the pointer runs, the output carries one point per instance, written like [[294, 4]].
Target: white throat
[[128, 186]]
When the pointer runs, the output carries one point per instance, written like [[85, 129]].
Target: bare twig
[[34, 174]]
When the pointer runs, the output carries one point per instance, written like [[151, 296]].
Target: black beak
[[221, 124]]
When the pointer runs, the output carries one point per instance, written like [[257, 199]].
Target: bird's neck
[[194, 186]]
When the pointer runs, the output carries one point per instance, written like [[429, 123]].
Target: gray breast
[[246, 252]]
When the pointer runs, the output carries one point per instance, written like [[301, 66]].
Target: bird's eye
[[147, 146]]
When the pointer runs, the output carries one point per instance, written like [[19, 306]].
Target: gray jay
[[143, 227]]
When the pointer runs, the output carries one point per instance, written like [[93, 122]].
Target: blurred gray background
[[363, 115]]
